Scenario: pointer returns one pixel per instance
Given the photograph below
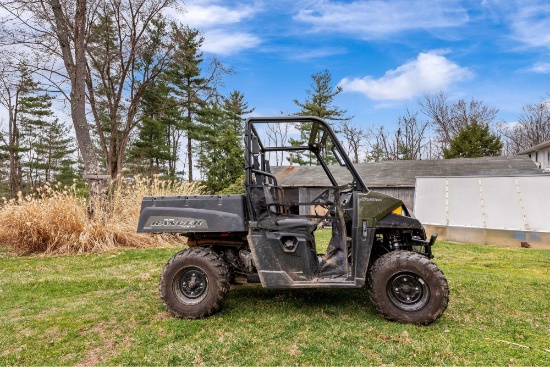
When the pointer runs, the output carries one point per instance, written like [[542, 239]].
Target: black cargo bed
[[193, 214]]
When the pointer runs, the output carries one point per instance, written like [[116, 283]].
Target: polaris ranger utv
[[267, 235]]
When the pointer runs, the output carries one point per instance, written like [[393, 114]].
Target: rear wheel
[[194, 283], [407, 287]]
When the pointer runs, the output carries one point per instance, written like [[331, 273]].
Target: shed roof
[[404, 173], [540, 146]]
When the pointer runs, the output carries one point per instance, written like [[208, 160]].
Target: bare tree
[[72, 42], [356, 138], [406, 143], [448, 118], [55, 30], [112, 48], [413, 136], [127, 49], [278, 135], [532, 128]]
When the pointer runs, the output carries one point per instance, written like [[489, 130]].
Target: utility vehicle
[[267, 235]]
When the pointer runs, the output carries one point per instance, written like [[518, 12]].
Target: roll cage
[[319, 135], [318, 139]]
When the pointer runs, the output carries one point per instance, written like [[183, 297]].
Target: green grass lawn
[[105, 309]]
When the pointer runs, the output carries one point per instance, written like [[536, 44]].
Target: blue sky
[[385, 54]]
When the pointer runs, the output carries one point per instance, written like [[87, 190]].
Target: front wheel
[[406, 287], [194, 283]]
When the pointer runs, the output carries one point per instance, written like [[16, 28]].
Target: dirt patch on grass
[[111, 344]]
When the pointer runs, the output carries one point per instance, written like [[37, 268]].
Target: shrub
[[54, 219], [236, 187]]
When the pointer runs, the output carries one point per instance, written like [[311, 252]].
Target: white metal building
[[540, 154], [495, 210]]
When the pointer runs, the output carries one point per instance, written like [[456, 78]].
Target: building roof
[[539, 147], [404, 173]]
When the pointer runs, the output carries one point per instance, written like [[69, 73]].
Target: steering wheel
[[323, 195]]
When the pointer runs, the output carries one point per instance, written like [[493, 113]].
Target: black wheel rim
[[408, 291], [190, 285]]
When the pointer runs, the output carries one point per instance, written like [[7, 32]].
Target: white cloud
[[207, 15], [305, 55], [228, 43], [430, 71], [541, 67], [378, 19], [530, 24], [222, 24]]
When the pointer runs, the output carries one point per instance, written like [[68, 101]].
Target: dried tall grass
[[54, 219]]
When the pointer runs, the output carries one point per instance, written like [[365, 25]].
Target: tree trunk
[[189, 145], [190, 158], [11, 151], [16, 172], [77, 70]]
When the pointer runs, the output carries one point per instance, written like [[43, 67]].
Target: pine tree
[[54, 151], [320, 98], [48, 143], [319, 103], [473, 140], [28, 111], [37, 130], [151, 152], [66, 173], [235, 109], [189, 85], [222, 153], [39, 145], [219, 152]]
